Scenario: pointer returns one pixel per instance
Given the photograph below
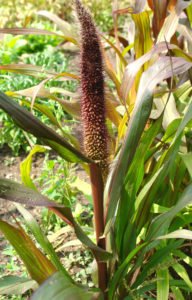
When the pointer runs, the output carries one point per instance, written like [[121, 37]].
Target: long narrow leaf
[[39, 267], [42, 239], [161, 70], [31, 124], [26, 164], [163, 284], [161, 223], [13, 191], [23, 31]]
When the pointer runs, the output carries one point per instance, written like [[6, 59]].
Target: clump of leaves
[[141, 212]]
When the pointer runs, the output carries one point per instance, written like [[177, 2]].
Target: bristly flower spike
[[92, 89]]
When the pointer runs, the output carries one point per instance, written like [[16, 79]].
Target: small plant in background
[[134, 148]]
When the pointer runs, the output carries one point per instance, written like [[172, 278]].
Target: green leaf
[[143, 41], [161, 256], [42, 239], [187, 159], [161, 223], [187, 259], [38, 266], [45, 110], [25, 166], [124, 224], [163, 284], [13, 191], [31, 124], [177, 293], [122, 270], [183, 124], [13, 285], [164, 165], [180, 270], [161, 70], [171, 130], [59, 288], [178, 234], [189, 13], [134, 132]]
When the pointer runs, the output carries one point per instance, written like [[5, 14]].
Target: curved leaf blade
[[13, 191], [42, 239], [26, 164], [59, 288], [33, 125], [39, 267], [160, 224]]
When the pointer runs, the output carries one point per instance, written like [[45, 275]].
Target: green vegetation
[[112, 226]]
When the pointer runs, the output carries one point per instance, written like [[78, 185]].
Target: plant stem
[[97, 193]]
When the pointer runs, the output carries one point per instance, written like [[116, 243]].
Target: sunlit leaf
[[64, 26], [143, 41], [133, 68], [38, 266], [189, 13], [42, 92], [162, 222], [178, 234], [180, 270], [32, 70], [23, 31], [163, 284], [42, 239], [134, 132], [171, 22], [161, 70], [25, 167]]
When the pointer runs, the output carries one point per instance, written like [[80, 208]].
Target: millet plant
[[136, 148]]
